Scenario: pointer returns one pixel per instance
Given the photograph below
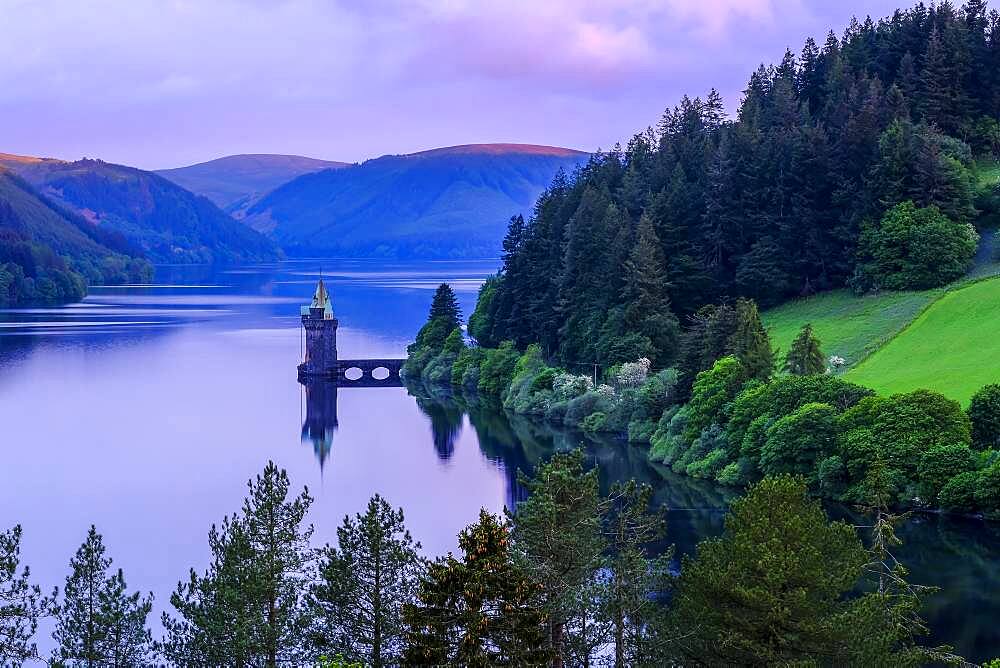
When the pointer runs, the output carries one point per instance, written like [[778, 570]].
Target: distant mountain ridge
[[235, 182], [48, 255], [445, 202], [167, 222]]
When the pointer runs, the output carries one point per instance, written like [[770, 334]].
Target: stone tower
[[321, 335]]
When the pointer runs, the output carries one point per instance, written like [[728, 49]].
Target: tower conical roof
[[321, 299]]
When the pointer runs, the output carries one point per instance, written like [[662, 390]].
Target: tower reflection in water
[[320, 423]]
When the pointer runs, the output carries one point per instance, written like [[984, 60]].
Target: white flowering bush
[[606, 391], [568, 386], [633, 374], [836, 363]]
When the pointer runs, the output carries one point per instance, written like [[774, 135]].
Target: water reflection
[[957, 556], [321, 417]]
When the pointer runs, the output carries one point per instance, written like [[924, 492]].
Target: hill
[[166, 221], [450, 202], [48, 255], [235, 182], [952, 347]]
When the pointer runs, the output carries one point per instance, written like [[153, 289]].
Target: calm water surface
[[145, 409]]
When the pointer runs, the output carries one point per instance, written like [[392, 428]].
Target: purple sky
[[162, 83]]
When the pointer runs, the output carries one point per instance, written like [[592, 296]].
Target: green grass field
[[953, 347], [847, 325]]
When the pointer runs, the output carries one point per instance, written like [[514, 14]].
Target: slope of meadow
[[953, 347]]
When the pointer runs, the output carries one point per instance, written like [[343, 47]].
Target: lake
[[145, 410]]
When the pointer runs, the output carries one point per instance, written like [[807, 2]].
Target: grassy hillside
[[235, 182], [451, 202], [953, 347], [166, 221], [847, 325], [48, 255]]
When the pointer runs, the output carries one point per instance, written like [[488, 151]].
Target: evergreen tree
[[249, 608], [363, 586], [558, 538], [97, 622], [772, 589], [633, 576], [805, 357], [647, 311], [481, 610], [444, 307], [750, 342], [21, 603], [887, 620]]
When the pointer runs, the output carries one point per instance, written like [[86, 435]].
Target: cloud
[[156, 82]]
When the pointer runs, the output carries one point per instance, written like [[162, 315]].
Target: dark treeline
[[850, 163], [568, 578]]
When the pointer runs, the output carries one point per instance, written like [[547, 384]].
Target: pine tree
[[633, 576], [805, 357], [750, 342], [444, 307], [21, 603], [887, 620], [647, 309], [249, 608], [558, 538], [363, 586], [97, 622], [479, 611], [771, 590]]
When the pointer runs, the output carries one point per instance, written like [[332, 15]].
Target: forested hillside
[[855, 162], [168, 223], [449, 202], [48, 255]]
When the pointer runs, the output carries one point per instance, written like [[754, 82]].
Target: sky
[[164, 83]]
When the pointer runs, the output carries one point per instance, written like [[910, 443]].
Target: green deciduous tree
[[772, 589], [797, 442], [805, 357], [97, 622], [479, 611], [249, 607], [21, 603], [984, 413], [914, 248], [363, 585]]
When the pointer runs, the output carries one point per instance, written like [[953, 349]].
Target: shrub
[[468, 357], [633, 374], [939, 465], [730, 475], [641, 430], [786, 394], [984, 413], [568, 386], [497, 369], [438, 370], [594, 422], [959, 494], [988, 488], [712, 390], [556, 412], [832, 476], [709, 466], [582, 406], [667, 441], [711, 438], [797, 442], [543, 381], [659, 391]]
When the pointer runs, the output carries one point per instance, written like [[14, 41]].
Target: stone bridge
[[363, 372]]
